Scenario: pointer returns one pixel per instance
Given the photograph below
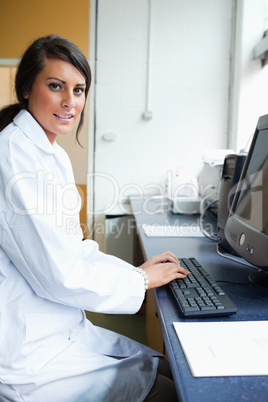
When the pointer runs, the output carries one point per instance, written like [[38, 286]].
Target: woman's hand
[[160, 274]]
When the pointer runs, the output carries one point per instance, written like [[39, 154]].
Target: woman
[[49, 351]]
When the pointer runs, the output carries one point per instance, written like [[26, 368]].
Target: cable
[[234, 283], [213, 236], [236, 259]]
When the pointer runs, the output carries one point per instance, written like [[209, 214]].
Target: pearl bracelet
[[145, 277]]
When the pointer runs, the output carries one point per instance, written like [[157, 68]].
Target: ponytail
[[8, 113]]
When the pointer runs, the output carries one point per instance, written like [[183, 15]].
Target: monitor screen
[[246, 228]]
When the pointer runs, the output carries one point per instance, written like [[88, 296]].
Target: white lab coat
[[49, 351]]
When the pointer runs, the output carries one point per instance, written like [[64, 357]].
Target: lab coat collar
[[32, 129]]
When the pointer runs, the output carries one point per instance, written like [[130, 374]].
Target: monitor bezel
[[242, 237]]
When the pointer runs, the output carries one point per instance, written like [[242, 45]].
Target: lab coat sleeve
[[42, 237]]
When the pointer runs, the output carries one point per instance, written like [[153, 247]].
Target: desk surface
[[252, 303]]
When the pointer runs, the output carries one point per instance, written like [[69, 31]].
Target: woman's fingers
[[167, 256], [178, 269]]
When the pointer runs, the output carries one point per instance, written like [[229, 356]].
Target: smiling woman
[[48, 275]]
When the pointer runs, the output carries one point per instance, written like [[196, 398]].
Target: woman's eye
[[79, 91], [54, 86]]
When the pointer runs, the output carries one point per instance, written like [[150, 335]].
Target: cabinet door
[[153, 329], [7, 91]]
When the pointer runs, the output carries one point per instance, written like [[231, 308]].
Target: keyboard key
[[208, 308], [191, 309]]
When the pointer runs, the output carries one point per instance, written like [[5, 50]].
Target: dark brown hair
[[33, 62]]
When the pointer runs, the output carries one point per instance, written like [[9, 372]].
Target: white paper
[[213, 349]]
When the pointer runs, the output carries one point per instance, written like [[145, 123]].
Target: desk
[[252, 303]]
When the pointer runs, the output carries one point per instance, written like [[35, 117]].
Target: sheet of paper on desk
[[156, 230], [218, 349]]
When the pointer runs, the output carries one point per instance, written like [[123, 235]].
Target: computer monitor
[[246, 229]]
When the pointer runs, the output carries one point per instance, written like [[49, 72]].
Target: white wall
[[188, 98], [205, 91], [250, 79]]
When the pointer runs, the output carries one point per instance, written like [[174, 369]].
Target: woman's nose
[[68, 100]]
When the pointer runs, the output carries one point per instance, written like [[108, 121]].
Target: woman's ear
[[26, 92]]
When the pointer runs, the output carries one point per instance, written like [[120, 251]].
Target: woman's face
[[57, 97]]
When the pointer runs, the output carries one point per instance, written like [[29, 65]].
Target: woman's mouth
[[64, 116]]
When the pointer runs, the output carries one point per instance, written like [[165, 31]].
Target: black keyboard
[[198, 295]]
